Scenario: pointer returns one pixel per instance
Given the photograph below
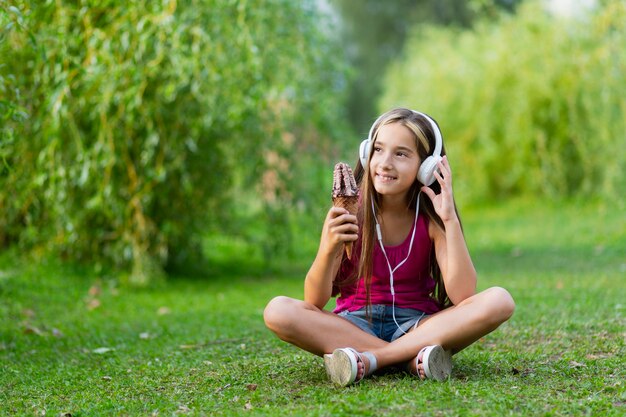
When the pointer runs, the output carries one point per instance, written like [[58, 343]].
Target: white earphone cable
[[393, 270]]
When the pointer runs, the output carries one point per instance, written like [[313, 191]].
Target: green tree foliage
[[149, 121], [11, 20], [529, 104], [375, 32]]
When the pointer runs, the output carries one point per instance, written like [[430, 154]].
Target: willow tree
[[146, 120]]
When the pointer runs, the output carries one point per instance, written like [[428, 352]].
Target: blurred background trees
[[374, 34], [142, 136], [151, 123], [532, 102]]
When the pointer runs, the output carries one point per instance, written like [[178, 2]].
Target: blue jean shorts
[[381, 322]]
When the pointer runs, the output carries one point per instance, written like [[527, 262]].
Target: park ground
[[74, 342]]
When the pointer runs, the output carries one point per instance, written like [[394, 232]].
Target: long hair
[[425, 141]]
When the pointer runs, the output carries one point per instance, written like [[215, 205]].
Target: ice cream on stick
[[345, 193]]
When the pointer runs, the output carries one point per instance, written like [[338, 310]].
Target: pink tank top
[[412, 281]]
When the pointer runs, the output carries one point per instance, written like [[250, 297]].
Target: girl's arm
[[455, 263], [340, 226]]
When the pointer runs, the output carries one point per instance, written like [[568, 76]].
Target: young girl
[[407, 297]]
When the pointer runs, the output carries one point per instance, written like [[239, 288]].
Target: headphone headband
[[426, 172], [433, 125]]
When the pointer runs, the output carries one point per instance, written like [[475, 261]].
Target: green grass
[[74, 343]]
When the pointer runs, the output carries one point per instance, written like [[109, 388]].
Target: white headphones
[[426, 172]]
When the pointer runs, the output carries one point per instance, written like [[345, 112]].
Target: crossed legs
[[319, 332]]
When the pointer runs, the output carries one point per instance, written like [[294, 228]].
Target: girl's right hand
[[339, 227]]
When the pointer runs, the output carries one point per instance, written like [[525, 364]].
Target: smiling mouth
[[384, 177]]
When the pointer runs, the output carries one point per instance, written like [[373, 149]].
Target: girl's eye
[[401, 154], [377, 149]]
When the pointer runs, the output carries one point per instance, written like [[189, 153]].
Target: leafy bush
[[11, 114], [529, 104], [148, 120]]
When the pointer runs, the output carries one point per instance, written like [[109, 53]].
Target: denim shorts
[[381, 321]]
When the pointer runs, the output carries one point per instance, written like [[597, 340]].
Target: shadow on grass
[[234, 270], [233, 258]]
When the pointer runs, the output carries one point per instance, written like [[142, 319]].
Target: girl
[[408, 295]]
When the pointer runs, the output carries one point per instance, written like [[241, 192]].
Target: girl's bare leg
[[314, 330], [454, 328]]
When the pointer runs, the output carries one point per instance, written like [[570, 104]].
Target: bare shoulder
[[436, 232]]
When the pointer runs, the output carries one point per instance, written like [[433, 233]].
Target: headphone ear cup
[[364, 152], [426, 173]]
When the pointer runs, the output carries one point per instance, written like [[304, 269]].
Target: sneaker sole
[[340, 368], [437, 363]]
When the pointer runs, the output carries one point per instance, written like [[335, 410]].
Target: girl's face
[[395, 161]]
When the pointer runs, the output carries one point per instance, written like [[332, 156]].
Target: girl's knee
[[501, 303], [278, 312]]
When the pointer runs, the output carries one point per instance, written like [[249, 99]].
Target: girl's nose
[[386, 160]]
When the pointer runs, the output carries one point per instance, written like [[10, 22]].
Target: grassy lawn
[[74, 343]]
